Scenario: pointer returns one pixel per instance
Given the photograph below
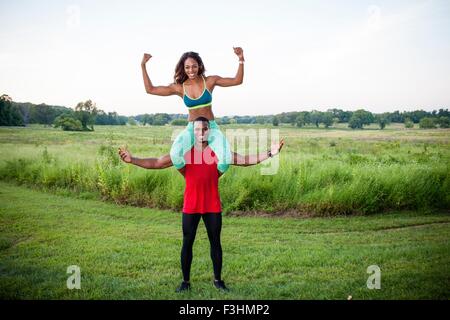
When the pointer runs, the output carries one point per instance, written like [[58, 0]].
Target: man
[[201, 195]]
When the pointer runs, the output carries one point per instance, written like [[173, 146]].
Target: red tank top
[[201, 194]]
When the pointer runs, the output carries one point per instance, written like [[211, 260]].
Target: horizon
[[250, 115], [380, 56]]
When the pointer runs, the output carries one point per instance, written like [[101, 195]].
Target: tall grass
[[320, 173]]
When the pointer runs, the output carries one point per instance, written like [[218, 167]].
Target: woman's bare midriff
[[201, 112]]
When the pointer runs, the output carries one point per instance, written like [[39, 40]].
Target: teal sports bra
[[203, 101]]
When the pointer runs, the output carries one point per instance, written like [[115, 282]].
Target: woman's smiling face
[[191, 68]]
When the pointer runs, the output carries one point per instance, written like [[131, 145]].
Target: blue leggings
[[216, 141]]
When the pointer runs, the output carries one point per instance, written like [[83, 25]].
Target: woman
[[195, 89]]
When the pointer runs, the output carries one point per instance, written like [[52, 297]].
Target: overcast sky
[[300, 55]]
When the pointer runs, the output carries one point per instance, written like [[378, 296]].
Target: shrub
[[179, 122], [427, 123], [409, 124], [67, 123]]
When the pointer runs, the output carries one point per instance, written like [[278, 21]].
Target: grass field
[[341, 201], [322, 172], [133, 253]]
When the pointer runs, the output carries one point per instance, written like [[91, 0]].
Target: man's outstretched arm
[[147, 163], [250, 160]]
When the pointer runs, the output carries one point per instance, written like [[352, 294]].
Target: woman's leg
[[213, 223], [220, 145], [183, 143], [190, 223]]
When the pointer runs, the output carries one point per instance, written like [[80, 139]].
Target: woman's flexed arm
[[239, 78], [147, 83], [149, 87]]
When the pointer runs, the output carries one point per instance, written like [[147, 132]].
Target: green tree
[[408, 123], [86, 112], [300, 121], [444, 122], [147, 119], [9, 114], [360, 118], [225, 120], [341, 115], [327, 119], [315, 117], [355, 122], [44, 114], [5, 110], [427, 123], [275, 121], [260, 120], [131, 121], [382, 120], [161, 119], [25, 111]]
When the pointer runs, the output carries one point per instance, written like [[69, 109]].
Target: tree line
[[359, 118], [86, 114], [83, 117], [355, 119]]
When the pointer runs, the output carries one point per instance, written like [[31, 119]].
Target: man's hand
[[249, 160], [276, 147], [125, 155], [146, 57], [239, 52]]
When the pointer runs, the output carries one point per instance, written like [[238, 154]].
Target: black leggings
[[213, 223]]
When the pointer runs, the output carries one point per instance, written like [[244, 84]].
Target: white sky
[[300, 55]]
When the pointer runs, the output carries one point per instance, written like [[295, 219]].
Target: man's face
[[201, 131]]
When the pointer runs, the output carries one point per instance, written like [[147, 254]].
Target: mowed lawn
[[133, 253]]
